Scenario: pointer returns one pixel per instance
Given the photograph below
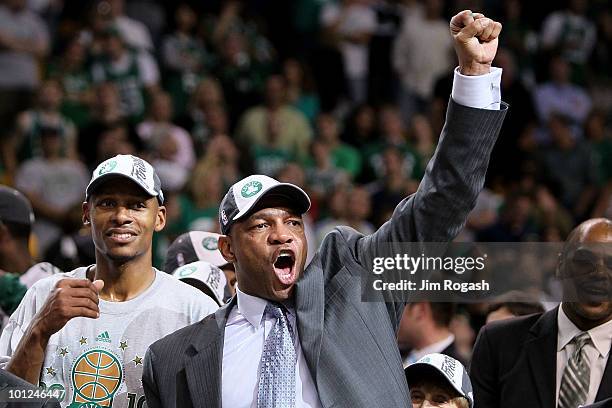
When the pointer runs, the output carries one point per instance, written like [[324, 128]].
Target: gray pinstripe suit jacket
[[350, 346]]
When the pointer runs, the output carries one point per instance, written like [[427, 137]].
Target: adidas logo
[[104, 337]]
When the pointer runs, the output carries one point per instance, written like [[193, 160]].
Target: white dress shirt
[[597, 351], [245, 333], [247, 327]]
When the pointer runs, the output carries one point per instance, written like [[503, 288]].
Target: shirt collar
[[600, 335], [253, 308], [436, 347]]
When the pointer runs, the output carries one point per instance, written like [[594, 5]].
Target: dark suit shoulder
[[513, 326]]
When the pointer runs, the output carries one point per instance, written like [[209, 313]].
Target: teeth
[[122, 236]]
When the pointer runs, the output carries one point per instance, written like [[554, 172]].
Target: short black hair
[[443, 312]]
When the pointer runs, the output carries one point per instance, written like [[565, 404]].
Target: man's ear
[[85, 217], [160, 221], [225, 247]]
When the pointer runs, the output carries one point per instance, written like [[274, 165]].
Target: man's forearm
[[28, 359]]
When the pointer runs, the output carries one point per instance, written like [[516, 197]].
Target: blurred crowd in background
[[343, 98]]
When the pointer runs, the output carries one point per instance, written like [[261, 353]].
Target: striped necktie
[[277, 367], [575, 381]]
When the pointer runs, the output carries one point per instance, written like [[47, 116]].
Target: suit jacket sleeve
[[149, 383], [447, 193], [483, 372]]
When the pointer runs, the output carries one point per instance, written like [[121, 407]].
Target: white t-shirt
[[100, 360]]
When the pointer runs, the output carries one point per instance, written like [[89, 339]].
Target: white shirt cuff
[[479, 91]]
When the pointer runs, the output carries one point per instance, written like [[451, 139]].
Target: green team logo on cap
[[110, 166], [187, 271], [251, 188], [210, 243]]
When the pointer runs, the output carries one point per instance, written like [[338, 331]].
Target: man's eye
[[105, 203], [140, 205], [295, 223], [260, 226]]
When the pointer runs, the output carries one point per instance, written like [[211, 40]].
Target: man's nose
[[122, 215], [280, 234]]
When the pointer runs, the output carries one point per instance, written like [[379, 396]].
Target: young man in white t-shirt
[[86, 332]]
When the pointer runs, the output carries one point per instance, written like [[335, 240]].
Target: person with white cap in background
[[86, 331], [195, 246], [438, 380], [206, 277]]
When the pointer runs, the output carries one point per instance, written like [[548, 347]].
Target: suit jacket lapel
[[309, 304], [542, 356], [203, 370], [605, 387]]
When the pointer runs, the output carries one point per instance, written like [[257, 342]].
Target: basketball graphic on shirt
[[96, 376]]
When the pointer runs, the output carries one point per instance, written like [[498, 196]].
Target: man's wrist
[[474, 69]]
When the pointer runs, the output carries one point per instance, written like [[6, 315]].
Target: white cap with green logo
[[204, 276], [131, 167], [244, 194]]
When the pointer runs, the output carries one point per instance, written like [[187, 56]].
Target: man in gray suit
[[303, 338]]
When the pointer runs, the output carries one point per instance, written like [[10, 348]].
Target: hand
[[476, 38], [70, 298]]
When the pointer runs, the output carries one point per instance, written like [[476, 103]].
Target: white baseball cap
[[450, 369], [194, 246], [131, 167], [204, 276], [244, 194]]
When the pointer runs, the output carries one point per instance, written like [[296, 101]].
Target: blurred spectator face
[[112, 45], [391, 124], [107, 96], [75, 53], [320, 152], [587, 262], [292, 173], [116, 7], [421, 129], [433, 8], [518, 210], [275, 91], [595, 127], [185, 18], [15, 5], [292, 71], [113, 142], [161, 107], [206, 185], [216, 118], [560, 133], [208, 93], [328, 128], [559, 70], [392, 159], [365, 120], [359, 204], [50, 96], [337, 203], [234, 48]]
